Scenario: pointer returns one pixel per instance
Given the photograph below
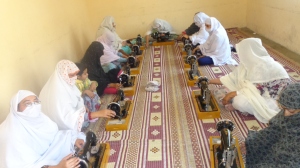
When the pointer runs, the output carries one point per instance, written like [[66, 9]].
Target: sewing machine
[[139, 40], [161, 36], [119, 105], [225, 152], [204, 102], [193, 73], [93, 154]]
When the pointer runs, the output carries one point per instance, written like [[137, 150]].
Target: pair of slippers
[[152, 86]]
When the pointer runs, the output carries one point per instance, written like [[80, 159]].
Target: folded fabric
[[152, 88], [153, 83]]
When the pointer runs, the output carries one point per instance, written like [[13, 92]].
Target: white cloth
[[202, 35], [217, 45], [107, 26], [256, 66], [161, 26], [32, 142], [62, 101], [109, 54]]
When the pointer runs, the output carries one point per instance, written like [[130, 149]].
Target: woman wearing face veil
[[62, 101], [216, 50], [29, 139], [278, 144]]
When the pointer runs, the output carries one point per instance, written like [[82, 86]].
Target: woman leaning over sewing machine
[[254, 85], [29, 139], [278, 144]]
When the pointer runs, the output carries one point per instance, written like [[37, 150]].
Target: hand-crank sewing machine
[[225, 152], [204, 101], [161, 36], [93, 154]]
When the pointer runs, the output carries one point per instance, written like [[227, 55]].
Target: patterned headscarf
[[290, 96], [65, 67]]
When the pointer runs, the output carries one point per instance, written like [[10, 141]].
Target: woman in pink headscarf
[[62, 101]]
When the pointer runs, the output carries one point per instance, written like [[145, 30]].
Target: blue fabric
[[126, 49], [206, 60], [107, 67], [119, 54]]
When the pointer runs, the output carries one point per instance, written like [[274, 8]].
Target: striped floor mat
[[164, 130]]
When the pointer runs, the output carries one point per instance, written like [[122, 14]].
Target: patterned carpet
[[164, 130]]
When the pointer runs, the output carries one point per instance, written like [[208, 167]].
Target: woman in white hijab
[[200, 36], [29, 139], [216, 50], [62, 101], [159, 25], [254, 85]]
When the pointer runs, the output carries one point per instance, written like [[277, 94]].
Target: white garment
[[202, 35], [256, 66], [32, 142], [161, 26], [107, 26], [217, 45], [109, 54], [62, 102]]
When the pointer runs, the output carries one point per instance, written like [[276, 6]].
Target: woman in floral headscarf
[[278, 144], [62, 101]]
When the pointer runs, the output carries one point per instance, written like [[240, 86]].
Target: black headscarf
[[92, 60], [192, 29]]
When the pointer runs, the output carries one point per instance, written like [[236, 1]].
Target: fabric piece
[[62, 102], [32, 142], [275, 146], [217, 45], [92, 59], [193, 28], [290, 96], [205, 61]]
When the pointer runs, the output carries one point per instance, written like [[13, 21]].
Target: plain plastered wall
[[36, 34], [277, 20]]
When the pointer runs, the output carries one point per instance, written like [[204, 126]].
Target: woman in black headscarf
[[106, 81]]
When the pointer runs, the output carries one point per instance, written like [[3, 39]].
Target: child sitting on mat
[[88, 89]]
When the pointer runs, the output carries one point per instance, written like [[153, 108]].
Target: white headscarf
[[110, 55], [161, 26], [61, 99], [202, 35], [217, 45], [256, 66], [107, 26], [32, 141]]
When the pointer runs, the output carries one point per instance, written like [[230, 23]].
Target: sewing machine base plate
[[190, 82], [130, 90], [170, 42], [116, 124], [136, 70], [214, 143], [215, 113], [186, 65]]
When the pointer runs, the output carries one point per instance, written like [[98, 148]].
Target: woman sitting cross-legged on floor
[[29, 139], [62, 101], [254, 85], [107, 82], [216, 50]]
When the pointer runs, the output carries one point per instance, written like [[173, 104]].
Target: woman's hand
[[228, 97], [89, 93], [79, 143], [69, 162], [195, 49], [115, 85], [186, 36], [106, 113]]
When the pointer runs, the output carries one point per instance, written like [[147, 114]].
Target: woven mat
[[164, 130]]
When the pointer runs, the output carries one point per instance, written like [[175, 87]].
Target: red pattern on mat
[[167, 133]]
